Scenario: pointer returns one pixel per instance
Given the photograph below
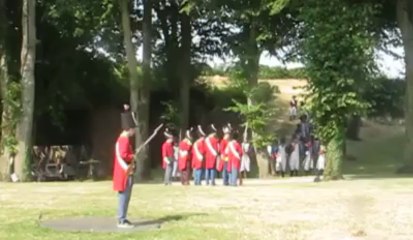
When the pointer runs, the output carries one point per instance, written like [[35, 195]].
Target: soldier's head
[[212, 130], [201, 132], [188, 134], [130, 132], [126, 107], [168, 135], [227, 131]]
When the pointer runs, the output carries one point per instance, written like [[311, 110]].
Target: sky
[[388, 65]]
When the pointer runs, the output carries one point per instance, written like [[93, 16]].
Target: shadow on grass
[[169, 218]]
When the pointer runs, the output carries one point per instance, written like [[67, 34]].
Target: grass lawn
[[372, 204]]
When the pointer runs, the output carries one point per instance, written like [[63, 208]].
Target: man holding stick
[[122, 172], [124, 164]]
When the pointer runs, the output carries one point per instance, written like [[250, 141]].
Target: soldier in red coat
[[198, 155], [168, 156], [184, 157], [223, 165], [123, 168], [211, 155], [234, 153]]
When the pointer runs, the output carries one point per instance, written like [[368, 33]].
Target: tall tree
[[147, 72], [27, 65], [139, 97], [338, 53], [405, 21]]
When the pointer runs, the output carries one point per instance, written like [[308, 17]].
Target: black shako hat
[[127, 120], [201, 131], [212, 129]]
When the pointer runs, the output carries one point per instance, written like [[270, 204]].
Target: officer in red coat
[[168, 156], [234, 153], [184, 157], [123, 168], [211, 155], [223, 165], [198, 155]]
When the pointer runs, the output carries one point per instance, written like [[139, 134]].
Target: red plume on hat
[[201, 131], [167, 133]]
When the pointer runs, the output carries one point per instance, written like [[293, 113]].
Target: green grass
[[378, 207]]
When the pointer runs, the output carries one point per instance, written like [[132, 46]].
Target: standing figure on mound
[[124, 168], [223, 165], [293, 108], [198, 155], [168, 156], [234, 153], [211, 155], [184, 158]]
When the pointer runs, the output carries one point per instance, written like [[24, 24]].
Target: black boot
[[282, 174], [291, 173]]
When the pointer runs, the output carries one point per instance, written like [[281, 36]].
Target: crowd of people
[[203, 155], [208, 156]]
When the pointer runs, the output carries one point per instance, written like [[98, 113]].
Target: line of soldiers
[[303, 152], [205, 155]]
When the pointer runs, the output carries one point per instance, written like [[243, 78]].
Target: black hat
[[212, 129], [168, 134], [200, 131], [188, 133], [127, 120]]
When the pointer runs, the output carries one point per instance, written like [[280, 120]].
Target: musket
[[132, 166]]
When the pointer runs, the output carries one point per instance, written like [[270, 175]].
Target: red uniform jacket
[[123, 157], [167, 152], [222, 147], [211, 152], [184, 157], [234, 152], [198, 153]]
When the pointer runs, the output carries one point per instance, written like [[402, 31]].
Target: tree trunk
[[251, 68], [27, 59], [3, 80], [353, 128], [137, 100], [186, 40], [145, 87], [335, 157], [262, 164], [405, 21]]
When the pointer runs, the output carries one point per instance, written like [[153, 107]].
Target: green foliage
[[337, 49], [171, 114], [386, 97], [258, 115], [13, 103]]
